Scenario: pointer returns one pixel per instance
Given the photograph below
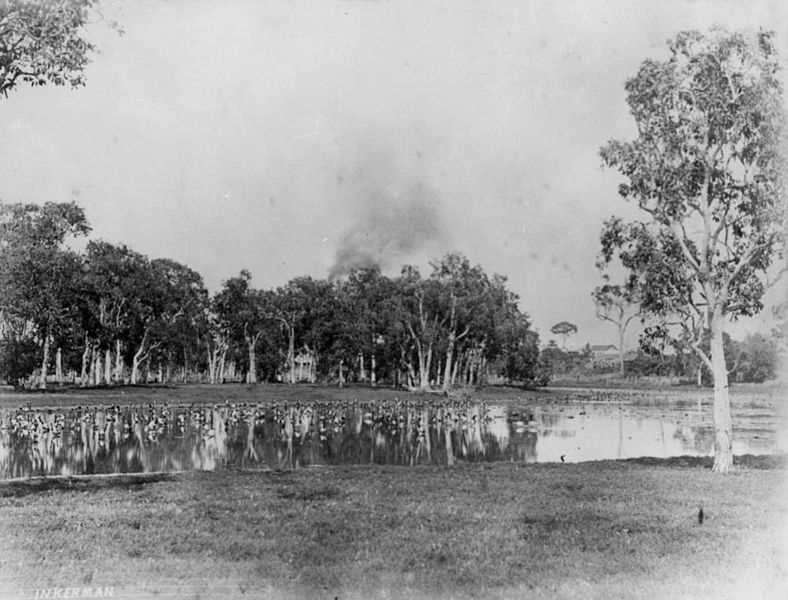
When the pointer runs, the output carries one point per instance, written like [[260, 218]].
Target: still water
[[124, 439]]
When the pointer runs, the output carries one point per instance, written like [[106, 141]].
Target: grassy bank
[[594, 530]]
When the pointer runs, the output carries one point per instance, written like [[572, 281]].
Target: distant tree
[[182, 320], [149, 295], [553, 360], [564, 329], [109, 300], [300, 306], [521, 351], [417, 304], [19, 357], [656, 340], [464, 296], [306, 309], [37, 274], [216, 339], [364, 324], [617, 304], [707, 169], [757, 359], [247, 314], [42, 41]]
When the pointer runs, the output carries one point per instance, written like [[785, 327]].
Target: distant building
[[630, 355], [604, 354], [304, 368]]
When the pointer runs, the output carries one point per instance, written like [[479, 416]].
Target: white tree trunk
[[212, 356], [424, 376], [45, 363], [251, 376], [136, 360], [83, 377], [448, 365], [372, 375], [135, 368], [291, 351], [723, 429], [59, 366], [108, 366], [96, 367], [118, 362]]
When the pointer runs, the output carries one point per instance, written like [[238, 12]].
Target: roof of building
[[604, 348]]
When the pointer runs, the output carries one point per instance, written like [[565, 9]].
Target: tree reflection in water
[[173, 438], [279, 435]]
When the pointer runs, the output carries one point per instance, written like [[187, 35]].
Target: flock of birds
[[155, 437], [179, 437]]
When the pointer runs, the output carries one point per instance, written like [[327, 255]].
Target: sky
[[301, 138]]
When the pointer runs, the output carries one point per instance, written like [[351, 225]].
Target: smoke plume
[[388, 229]]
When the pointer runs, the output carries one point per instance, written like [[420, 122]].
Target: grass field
[[612, 529]]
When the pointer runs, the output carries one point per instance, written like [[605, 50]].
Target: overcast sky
[[287, 137]]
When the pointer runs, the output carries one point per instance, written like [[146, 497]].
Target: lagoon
[[162, 437]]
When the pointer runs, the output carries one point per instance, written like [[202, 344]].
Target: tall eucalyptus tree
[[707, 170]]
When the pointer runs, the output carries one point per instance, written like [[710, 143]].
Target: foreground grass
[[594, 530]]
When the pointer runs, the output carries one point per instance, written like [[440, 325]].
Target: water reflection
[[174, 438]]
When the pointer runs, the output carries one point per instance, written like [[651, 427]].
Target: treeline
[[754, 359], [110, 315]]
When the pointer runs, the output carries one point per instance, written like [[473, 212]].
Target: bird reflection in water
[[148, 438]]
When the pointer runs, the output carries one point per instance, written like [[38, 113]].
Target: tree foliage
[[564, 329], [38, 275], [707, 167], [619, 304], [42, 41]]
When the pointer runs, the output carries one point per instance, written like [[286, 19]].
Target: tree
[[564, 329], [41, 42], [617, 304], [553, 360], [363, 326], [418, 310], [463, 291], [246, 313], [520, 350], [148, 295], [706, 169], [37, 274], [109, 297], [216, 339], [305, 309], [128, 307], [758, 358], [182, 322]]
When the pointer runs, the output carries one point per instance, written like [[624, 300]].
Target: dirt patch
[[749, 461], [308, 492], [40, 485]]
